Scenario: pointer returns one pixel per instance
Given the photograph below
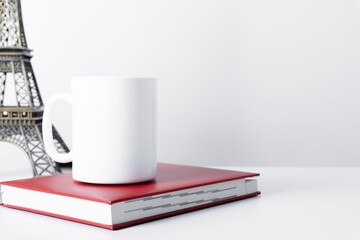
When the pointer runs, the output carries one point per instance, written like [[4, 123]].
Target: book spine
[[1, 193]]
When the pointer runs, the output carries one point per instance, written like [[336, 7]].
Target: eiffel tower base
[[29, 139]]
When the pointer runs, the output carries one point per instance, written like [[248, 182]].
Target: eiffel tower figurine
[[21, 124]]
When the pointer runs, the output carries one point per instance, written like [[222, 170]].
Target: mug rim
[[94, 77]]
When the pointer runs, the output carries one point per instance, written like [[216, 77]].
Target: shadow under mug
[[114, 129]]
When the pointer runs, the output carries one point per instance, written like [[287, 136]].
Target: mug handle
[[47, 128]]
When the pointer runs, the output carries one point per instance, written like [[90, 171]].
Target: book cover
[[194, 187]]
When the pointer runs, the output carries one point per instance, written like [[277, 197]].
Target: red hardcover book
[[176, 189]]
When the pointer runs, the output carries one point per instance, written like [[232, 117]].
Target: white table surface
[[296, 203]]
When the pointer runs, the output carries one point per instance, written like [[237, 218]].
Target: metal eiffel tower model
[[21, 124]]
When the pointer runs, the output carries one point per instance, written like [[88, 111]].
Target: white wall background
[[242, 82]]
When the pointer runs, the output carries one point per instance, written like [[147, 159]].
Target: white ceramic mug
[[114, 129]]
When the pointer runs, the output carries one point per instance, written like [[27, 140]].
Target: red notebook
[[176, 189]]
